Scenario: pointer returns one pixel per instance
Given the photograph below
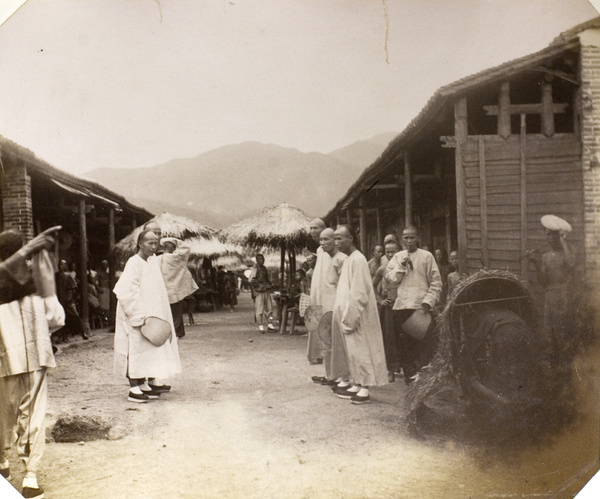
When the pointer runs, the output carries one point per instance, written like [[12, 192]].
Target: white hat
[[552, 222], [171, 240]]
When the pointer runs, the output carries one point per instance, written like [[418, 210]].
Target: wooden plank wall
[[554, 184]]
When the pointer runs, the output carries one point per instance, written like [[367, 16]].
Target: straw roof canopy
[[171, 226], [212, 247], [272, 227]]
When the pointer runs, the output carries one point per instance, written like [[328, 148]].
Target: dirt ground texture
[[244, 420]]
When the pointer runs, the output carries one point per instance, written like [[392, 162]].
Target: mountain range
[[232, 182]]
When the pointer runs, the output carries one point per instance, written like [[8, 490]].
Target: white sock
[[30, 480], [354, 389], [343, 384], [144, 387], [339, 380], [136, 389], [363, 392]]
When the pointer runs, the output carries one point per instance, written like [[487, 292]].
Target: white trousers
[[23, 405]]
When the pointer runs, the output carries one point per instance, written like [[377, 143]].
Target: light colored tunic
[[141, 293], [417, 285], [323, 293], [178, 279], [355, 316]]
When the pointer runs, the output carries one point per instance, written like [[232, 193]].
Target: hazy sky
[[131, 83]]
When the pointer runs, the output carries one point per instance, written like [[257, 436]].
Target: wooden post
[[363, 226], [83, 266], [448, 225], [547, 110], [349, 216], [408, 198], [485, 255], [504, 110], [523, 153], [461, 134], [379, 226], [112, 264], [338, 220]]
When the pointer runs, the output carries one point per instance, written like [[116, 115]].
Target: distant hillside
[[230, 183], [364, 152]]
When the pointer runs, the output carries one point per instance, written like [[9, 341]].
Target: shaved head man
[[315, 345], [316, 227], [356, 319]]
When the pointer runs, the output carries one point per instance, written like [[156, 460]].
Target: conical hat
[[552, 222], [417, 324], [312, 316]]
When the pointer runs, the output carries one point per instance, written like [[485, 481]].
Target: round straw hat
[[417, 324], [552, 222], [312, 316]]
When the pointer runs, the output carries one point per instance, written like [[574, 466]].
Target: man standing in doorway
[[419, 287]]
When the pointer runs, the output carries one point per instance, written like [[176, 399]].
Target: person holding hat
[[178, 279], [142, 302], [419, 288], [555, 273]]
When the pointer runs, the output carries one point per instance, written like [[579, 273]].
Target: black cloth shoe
[[5, 473], [160, 388], [338, 388], [345, 394], [33, 493], [319, 379], [356, 399], [137, 397], [151, 394], [328, 382]]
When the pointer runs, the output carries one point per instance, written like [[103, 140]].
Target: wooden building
[[36, 196], [490, 154]]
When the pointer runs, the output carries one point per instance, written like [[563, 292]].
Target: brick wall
[[16, 198], [590, 130]]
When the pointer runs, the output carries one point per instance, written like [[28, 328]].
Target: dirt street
[[245, 420]]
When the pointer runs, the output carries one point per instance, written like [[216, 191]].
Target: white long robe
[[141, 293], [315, 346], [355, 316]]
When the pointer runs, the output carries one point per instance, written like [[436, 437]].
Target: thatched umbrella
[[282, 227], [171, 226], [212, 247]]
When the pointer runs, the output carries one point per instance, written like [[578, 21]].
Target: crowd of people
[[374, 316], [372, 319]]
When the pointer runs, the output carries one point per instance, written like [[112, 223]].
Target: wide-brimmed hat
[[552, 222], [312, 316], [417, 324]]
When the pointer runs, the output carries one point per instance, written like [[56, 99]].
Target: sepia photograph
[[297, 249]]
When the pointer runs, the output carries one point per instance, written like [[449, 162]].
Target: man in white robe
[[315, 345], [141, 294], [322, 295], [355, 316]]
